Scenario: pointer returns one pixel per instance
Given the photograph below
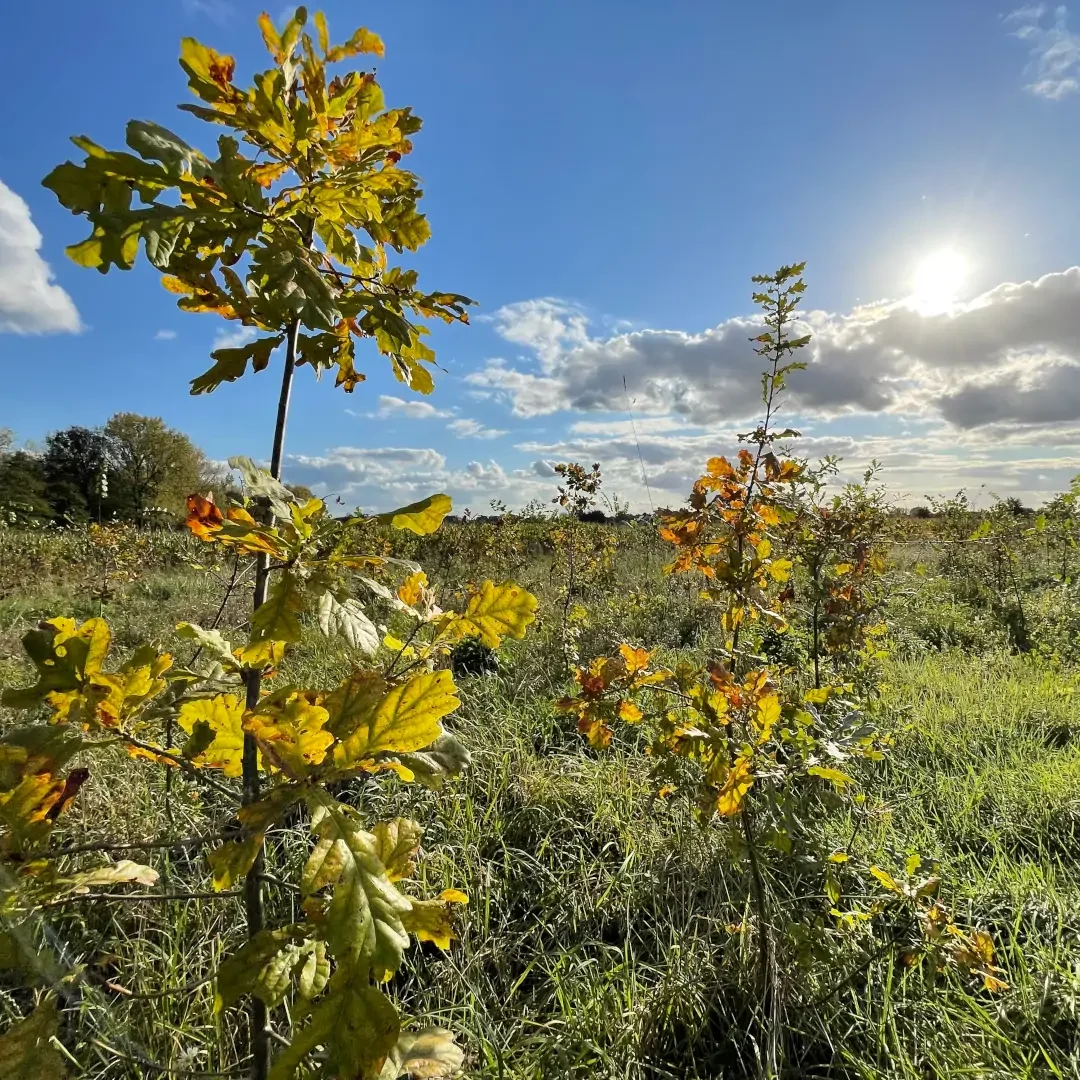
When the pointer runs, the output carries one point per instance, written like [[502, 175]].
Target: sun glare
[[937, 281]]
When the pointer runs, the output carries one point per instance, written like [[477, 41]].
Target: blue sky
[[604, 178]]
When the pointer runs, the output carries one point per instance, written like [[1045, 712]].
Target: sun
[[937, 281]]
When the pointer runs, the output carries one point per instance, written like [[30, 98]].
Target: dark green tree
[[73, 463], [22, 489]]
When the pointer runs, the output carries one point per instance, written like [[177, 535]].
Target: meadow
[[780, 782], [608, 932]]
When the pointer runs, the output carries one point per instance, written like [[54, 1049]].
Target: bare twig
[[181, 763], [154, 995]]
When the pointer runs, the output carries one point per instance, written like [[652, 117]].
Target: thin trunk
[[817, 646], [253, 900], [766, 973]]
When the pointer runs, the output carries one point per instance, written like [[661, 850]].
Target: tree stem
[[765, 958], [253, 898]]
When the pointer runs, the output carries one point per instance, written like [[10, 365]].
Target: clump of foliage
[[748, 745], [307, 221]]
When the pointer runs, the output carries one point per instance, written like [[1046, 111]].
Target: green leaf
[[160, 237], [347, 619], [324, 866], [65, 656], [422, 517], [230, 364], [315, 972], [26, 1050], [276, 618], [234, 858], [35, 748], [444, 759], [266, 964], [199, 741], [363, 920], [356, 1023], [210, 642], [230, 862], [260, 483], [155, 143]]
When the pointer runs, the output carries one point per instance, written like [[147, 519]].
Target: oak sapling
[[290, 241]]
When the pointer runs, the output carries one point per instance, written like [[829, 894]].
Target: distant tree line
[[134, 468]]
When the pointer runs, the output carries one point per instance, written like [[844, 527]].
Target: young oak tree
[[289, 238], [755, 752]]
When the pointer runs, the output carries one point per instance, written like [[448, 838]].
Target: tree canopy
[[128, 469]]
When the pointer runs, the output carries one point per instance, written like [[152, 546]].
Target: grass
[[605, 931]]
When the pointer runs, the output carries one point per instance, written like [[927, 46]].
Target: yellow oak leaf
[[430, 920], [404, 719], [420, 517], [838, 779], [290, 732], [224, 716], [739, 780], [768, 712], [496, 611], [396, 844], [411, 590]]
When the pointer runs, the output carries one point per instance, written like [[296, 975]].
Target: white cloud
[[382, 478], [165, 335], [1005, 356], [473, 429], [30, 302], [410, 410], [935, 463], [548, 326], [1055, 51], [233, 337]]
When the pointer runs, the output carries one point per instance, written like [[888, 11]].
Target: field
[[782, 782], [609, 933]]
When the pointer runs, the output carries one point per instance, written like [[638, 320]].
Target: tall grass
[[604, 934]]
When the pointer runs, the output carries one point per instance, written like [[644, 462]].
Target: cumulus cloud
[[30, 302], [232, 337], [934, 463], [467, 428], [165, 335], [1004, 356], [381, 478], [547, 326], [390, 406], [1055, 51]]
